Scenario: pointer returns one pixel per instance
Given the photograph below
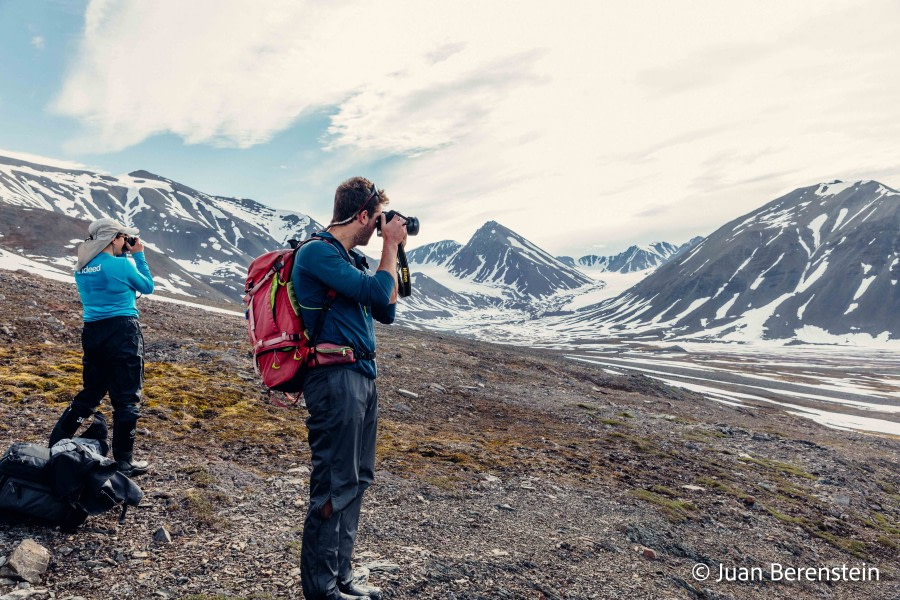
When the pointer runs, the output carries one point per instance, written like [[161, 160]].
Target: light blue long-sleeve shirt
[[107, 285]]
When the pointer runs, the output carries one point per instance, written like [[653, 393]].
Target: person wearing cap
[[113, 360], [342, 400]]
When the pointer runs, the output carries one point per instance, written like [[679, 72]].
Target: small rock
[[138, 554], [506, 507], [438, 388], [842, 500], [407, 393], [649, 553], [162, 536], [749, 500], [29, 560], [693, 488], [298, 471], [382, 566]]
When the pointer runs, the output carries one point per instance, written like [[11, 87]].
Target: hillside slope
[[510, 473]]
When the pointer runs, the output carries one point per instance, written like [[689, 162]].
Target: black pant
[[343, 417], [113, 363]]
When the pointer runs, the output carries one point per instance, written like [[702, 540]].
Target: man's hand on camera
[[394, 231], [138, 246]]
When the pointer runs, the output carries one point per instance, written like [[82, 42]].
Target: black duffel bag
[[65, 484], [25, 489]]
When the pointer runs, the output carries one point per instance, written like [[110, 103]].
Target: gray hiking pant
[[343, 416]]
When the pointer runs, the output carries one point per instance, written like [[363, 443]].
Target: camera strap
[[404, 286]]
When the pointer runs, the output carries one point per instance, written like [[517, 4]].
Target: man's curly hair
[[350, 197]]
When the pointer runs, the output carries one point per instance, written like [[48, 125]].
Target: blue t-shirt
[[108, 283], [360, 297]]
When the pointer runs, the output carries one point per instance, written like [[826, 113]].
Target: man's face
[[365, 233]]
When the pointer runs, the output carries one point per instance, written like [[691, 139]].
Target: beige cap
[[102, 232]]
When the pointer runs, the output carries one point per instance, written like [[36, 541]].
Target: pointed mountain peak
[[493, 229]]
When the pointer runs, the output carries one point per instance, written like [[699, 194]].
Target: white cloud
[[574, 124], [38, 42], [43, 160]]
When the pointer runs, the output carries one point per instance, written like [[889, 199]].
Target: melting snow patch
[[834, 188], [840, 218], [815, 226], [723, 310], [863, 287], [817, 335], [811, 279], [694, 305], [802, 309]]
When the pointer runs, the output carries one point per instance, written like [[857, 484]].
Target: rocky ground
[[502, 473]]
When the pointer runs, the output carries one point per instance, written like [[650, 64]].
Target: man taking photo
[[341, 399]]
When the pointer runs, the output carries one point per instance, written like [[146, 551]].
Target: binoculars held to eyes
[[412, 223]]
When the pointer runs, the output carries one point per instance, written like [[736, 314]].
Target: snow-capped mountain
[[821, 259], [635, 258], [498, 272], [499, 256], [437, 253], [210, 239]]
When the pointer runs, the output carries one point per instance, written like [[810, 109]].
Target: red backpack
[[282, 349]]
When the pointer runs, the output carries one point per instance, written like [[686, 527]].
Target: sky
[[586, 126]]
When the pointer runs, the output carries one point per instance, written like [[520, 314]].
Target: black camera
[[131, 241], [412, 223]]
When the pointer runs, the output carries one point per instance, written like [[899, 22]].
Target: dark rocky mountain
[[824, 259], [207, 239], [499, 256]]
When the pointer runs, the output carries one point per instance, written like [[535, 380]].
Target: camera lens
[[412, 226]]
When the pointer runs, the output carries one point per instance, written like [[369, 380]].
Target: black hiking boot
[[360, 591], [132, 468]]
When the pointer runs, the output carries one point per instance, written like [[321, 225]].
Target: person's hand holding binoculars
[[137, 246]]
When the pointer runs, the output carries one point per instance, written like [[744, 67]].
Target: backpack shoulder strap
[[330, 295]]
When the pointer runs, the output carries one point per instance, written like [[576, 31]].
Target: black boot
[[131, 468], [123, 445], [68, 424], [365, 591]]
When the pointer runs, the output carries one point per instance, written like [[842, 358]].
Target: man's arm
[[394, 234], [324, 262]]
